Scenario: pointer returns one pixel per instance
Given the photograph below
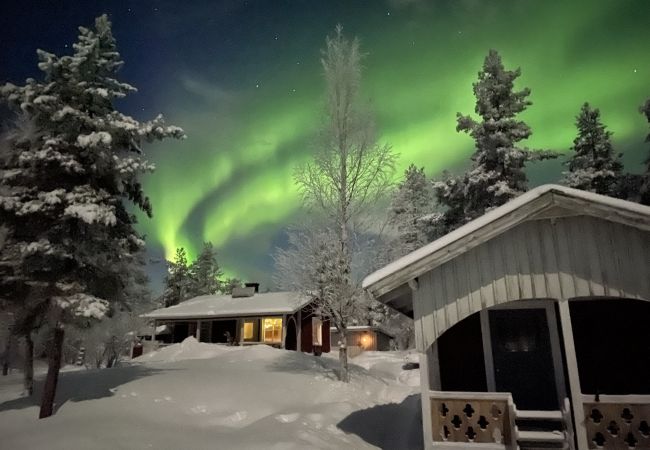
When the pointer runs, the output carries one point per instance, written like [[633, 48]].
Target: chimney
[[253, 285]]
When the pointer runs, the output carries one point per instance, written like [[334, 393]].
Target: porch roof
[[220, 306], [546, 201]]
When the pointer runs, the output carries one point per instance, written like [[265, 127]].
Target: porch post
[[299, 327], [425, 356], [488, 358], [284, 331], [239, 336], [198, 330], [153, 334], [572, 371]]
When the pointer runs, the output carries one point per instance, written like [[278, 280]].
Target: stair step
[[538, 415], [541, 436]]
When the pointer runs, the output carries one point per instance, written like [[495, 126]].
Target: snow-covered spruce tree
[[593, 165], [498, 166], [65, 186], [410, 211], [177, 281], [349, 171], [205, 273], [645, 178]]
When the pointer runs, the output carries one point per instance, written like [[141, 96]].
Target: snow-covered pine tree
[[177, 281], [205, 273], [65, 185], [645, 182], [593, 165], [498, 166], [410, 211], [349, 172]]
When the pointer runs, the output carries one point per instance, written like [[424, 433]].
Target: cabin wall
[[561, 258], [383, 342]]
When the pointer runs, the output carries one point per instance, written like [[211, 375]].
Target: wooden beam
[[574, 376], [284, 331], [488, 358], [299, 329]]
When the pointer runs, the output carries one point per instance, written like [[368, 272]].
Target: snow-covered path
[[199, 396]]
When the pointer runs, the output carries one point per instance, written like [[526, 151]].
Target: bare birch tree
[[350, 170]]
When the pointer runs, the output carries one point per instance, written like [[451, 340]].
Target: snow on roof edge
[[219, 306], [368, 327], [406, 261]]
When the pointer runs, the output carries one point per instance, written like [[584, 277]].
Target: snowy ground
[[198, 396]]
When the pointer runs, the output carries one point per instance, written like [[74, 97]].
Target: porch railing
[[617, 421], [483, 418]]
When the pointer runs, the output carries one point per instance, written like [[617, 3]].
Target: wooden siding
[[561, 258]]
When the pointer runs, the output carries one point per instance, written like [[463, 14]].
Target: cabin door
[[525, 353]]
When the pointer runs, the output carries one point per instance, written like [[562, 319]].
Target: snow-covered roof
[[548, 198], [213, 306], [367, 328]]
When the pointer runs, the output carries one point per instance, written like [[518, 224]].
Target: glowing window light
[[365, 340], [272, 329], [248, 330]]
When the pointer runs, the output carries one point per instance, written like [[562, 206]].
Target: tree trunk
[[343, 360], [54, 364], [5, 356], [28, 376]]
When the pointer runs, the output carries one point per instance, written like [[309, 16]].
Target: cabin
[[533, 324], [361, 338], [288, 320]]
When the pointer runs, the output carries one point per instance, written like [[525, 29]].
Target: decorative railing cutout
[[617, 422]]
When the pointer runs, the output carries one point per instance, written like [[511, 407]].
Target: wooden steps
[[538, 430]]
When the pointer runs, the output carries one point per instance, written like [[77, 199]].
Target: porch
[[542, 374]]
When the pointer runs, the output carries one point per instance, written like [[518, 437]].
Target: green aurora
[[231, 181]]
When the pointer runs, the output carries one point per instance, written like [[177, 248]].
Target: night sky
[[243, 79]]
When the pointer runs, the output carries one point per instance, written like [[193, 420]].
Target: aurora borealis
[[243, 79]]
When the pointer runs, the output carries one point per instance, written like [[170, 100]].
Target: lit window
[[273, 330], [317, 331], [248, 330]]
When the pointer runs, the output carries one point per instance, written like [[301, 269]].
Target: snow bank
[[190, 348], [200, 396]]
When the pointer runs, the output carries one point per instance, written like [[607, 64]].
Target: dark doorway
[[612, 341], [181, 330], [523, 360], [291, 341], [460, 352], [224, 331]]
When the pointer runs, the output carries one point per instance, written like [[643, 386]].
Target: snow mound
[[190, 348], [398, 366], [197, 395]]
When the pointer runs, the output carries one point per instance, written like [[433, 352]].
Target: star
[[388, 13], [257, 85], [634, 70]]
